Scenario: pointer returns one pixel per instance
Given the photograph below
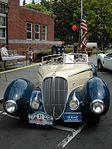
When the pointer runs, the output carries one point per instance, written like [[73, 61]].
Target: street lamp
[[6, 12]]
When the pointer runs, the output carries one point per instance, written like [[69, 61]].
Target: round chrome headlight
[[74, 104], [97, 106], [35, 104], [10, 106]]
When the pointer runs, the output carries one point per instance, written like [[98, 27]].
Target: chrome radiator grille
[[55, 93]]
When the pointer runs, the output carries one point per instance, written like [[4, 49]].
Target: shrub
[[38, 56]]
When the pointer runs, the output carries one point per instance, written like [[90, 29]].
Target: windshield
[[65, 58]]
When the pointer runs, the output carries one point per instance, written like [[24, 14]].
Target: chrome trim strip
[[80, 72]]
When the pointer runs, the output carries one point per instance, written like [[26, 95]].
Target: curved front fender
[[20, 91], [97, 89]]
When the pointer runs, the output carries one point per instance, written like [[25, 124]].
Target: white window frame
[[29, 31], [3, 27], [44, 33], [37, 32]]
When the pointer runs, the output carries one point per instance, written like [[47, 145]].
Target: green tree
[[99, 16], [43, 2], [33, 1], [38, 7], [24, 2], [66, 14]]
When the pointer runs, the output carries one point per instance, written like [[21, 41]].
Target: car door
[[108, 61]]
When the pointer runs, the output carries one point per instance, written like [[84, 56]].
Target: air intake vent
[[55, 94]]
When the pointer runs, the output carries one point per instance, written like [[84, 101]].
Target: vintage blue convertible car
[[68, 88]]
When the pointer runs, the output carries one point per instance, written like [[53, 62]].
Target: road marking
[[69, 137], [64, 142], [4, 113], [64, 128]]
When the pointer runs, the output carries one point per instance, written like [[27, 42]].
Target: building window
[[44, 32], [37, 32], [2, 27], [29, 31], [2, 7]]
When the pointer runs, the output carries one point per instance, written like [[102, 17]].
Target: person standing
[[4, 51], [30, 55]]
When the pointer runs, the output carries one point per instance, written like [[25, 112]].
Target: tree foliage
[[24, 2], [98, 14], [39, 7], [33, 1], [66, 14], [99, 17]]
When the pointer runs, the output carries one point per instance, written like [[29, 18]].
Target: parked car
[[67, 88], [91, 45], [104, 61]]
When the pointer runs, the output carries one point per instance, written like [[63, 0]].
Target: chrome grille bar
[[55, 93]]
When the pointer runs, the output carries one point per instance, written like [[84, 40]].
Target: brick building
[[22, 28]]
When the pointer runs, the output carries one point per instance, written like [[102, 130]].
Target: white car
[[104, 61]]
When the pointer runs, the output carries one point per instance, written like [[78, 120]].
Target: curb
[[20, 68]]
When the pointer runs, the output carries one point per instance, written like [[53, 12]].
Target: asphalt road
[[16, 135]]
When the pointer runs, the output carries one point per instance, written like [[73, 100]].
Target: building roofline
[[33, 10]]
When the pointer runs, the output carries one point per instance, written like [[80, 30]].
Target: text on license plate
[[72, 117]]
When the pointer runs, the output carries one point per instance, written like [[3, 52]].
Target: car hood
[[65, 70], [58, 81]]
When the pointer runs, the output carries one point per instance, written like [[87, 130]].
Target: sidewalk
[[13, 65]]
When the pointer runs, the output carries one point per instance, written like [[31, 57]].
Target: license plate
[[72, 117], [40, 118]]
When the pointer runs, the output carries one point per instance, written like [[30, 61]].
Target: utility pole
[[81, 9], [80, 32]]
